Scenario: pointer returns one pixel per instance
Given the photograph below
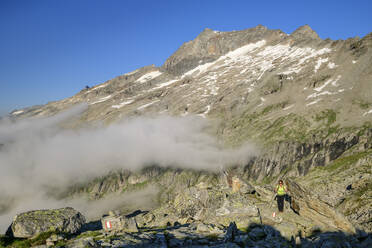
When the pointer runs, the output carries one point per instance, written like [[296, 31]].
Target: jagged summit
[[305, 32], [206, 32], [209, 45]]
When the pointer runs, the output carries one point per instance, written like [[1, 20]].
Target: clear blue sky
[[51, 49]]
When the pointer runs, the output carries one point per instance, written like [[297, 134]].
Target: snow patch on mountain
[[149, 76], [329, 81], [208, 108], [96, 88], [331, 65], [313, 102], [314, 95], [368, 112], [147, 105], [17, 112], [162, 85], [122, 104], [103, 99], [319, 63], [289, 107], [199, 69], [238, 53], [250, 63]]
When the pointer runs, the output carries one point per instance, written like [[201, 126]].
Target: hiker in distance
[[281, 191]]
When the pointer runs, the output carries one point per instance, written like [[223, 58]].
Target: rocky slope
[[304, 100]]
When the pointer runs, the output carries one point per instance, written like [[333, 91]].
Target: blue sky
[[51, 49]]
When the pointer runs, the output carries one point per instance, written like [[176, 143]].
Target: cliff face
[[306, 102]]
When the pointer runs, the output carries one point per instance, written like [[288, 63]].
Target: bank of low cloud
[[37, 154]]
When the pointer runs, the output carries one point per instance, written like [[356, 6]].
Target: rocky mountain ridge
[[252, 63]]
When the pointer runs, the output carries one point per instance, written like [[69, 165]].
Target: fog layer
[[36, 154]]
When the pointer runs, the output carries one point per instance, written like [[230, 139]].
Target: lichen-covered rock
[[32, 223]]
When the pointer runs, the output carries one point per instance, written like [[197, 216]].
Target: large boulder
[[310, 206], [32, 223]]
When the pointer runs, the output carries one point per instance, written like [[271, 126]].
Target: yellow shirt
[[280, 190]]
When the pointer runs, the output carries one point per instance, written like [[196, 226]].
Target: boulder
[[257, 233], [32, 223], [310, 206], [239, 185], [209, 228], [119, 223], [231, 232], [190, 201]]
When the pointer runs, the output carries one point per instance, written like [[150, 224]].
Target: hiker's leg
[[280, 203]]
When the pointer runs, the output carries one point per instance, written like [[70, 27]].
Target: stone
[[144, 219], [202, 228], [367, 243], [184, 221], [287, 229], [294, 206], [55, 237], [298, 241], [231, 232], [160, 239], [119, 223], [257, 233], [175, 243], [49, 243], [241, 239], [83, 243], [32, 223], [236, 184], [239, 185]]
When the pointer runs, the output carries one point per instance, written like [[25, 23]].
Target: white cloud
[[38, 155]]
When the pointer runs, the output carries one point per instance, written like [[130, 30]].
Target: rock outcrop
[[311, 207], [32, 223]]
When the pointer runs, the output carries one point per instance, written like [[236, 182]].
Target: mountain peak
[[206, 31], [304, 32], [206, 34]]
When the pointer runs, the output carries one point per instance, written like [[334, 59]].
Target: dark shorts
[[280, 200]]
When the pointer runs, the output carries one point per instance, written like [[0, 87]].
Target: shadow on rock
[[209, 235], [92, 226]]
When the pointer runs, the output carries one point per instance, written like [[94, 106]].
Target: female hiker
[[280, 191]]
